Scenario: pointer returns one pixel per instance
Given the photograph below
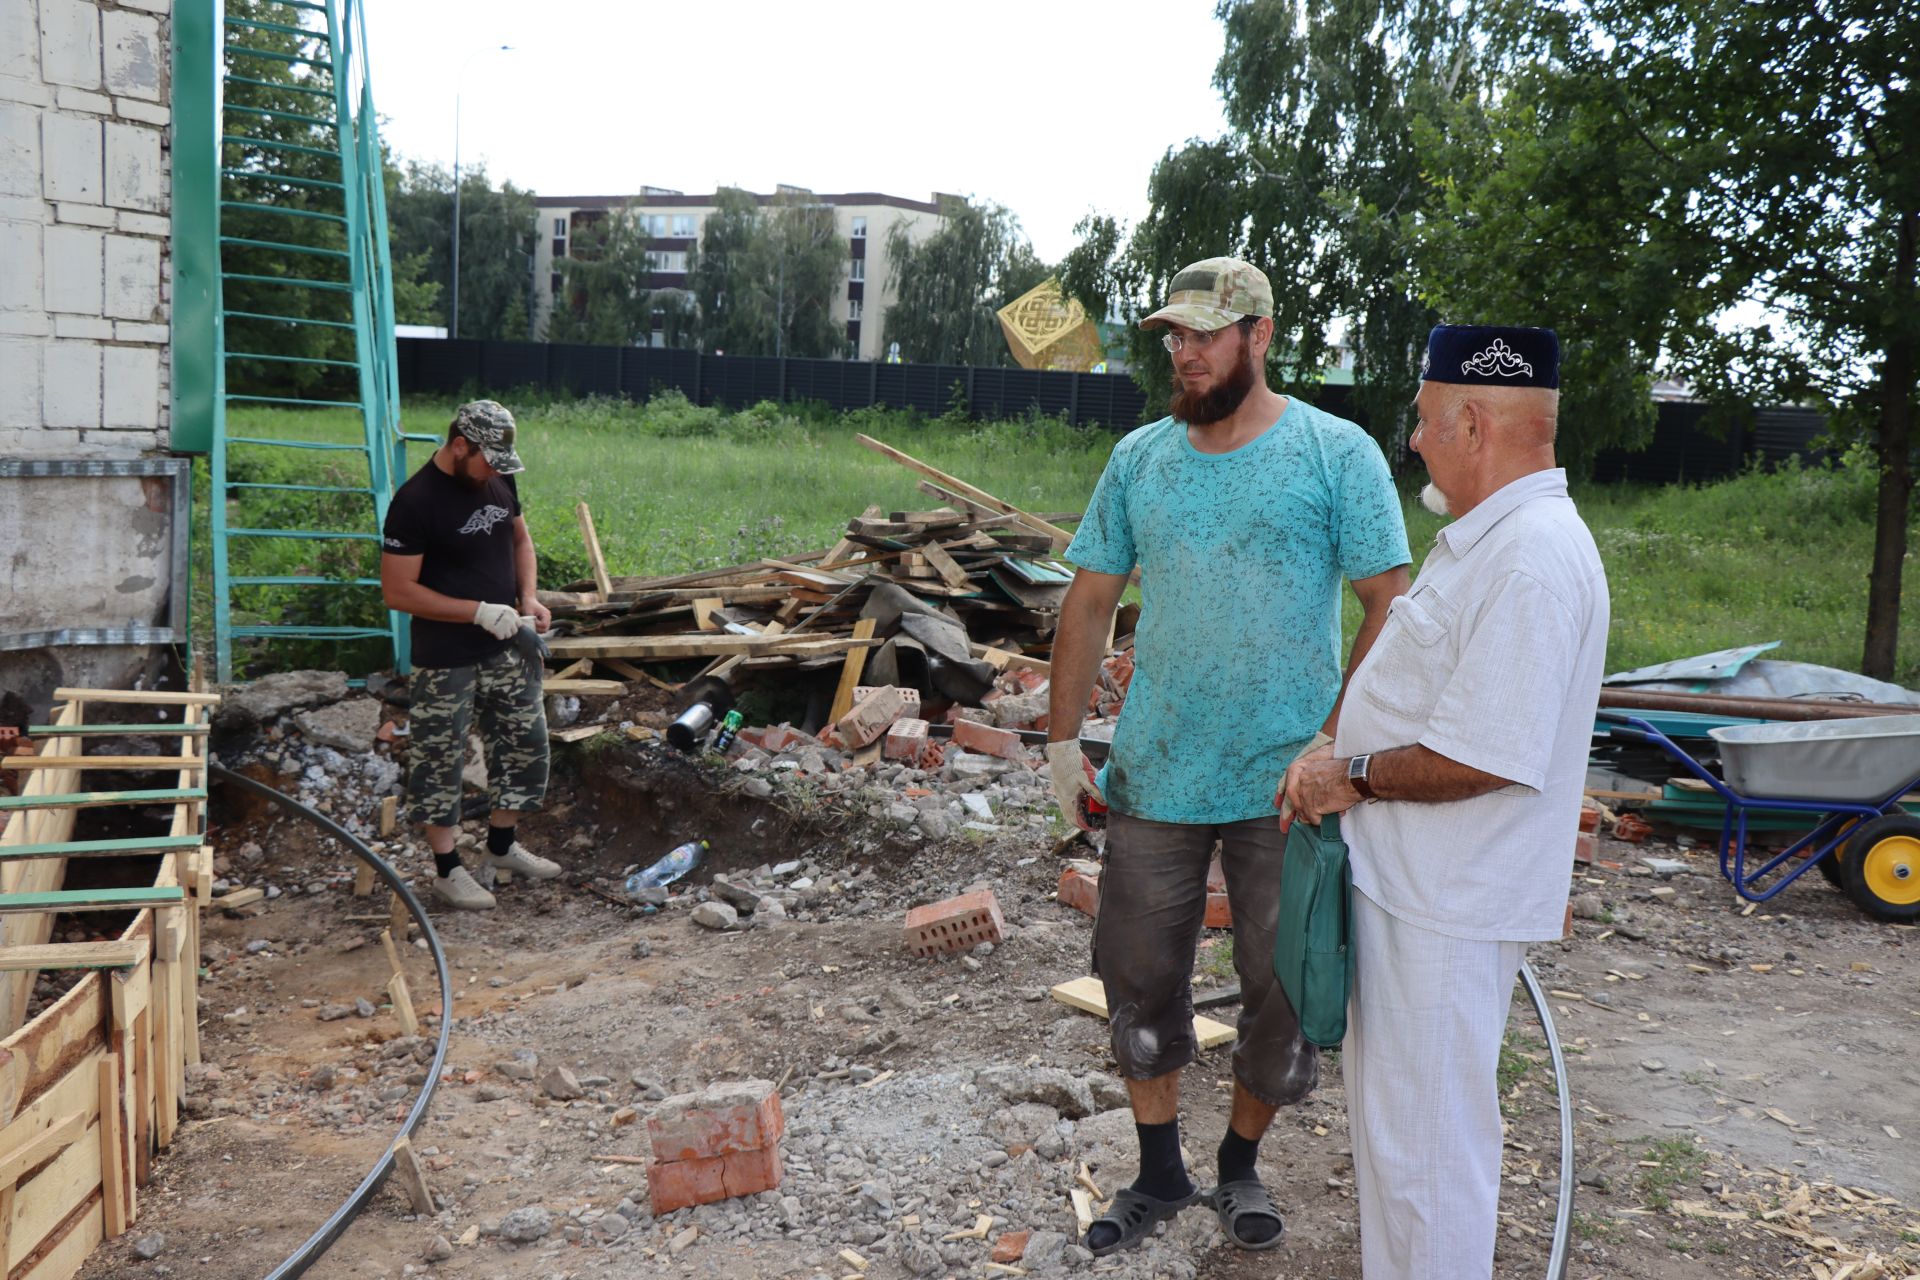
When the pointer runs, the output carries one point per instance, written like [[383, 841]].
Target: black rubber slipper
[[1235, 1201], [1136, 1214]]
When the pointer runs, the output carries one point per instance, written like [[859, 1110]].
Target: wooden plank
[[590, 688], [1089, 995], [1001, 659], [389, 815], [101, 799], [943, 518], [704, 607], [101, 762], [65, 1250], [951, 573], [715, 646], [1060, 536], [572, 670], [139, 697], [580, 732], [113, 1169], [403, 1004], [595, 561], [93, 899], [47, 1198], [234, 899], [850, 671], [29, 1150], [413, 1178], [104, 730], [101, 848], [73, 955]]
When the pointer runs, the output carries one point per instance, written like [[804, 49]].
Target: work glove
[[498, 620], [1280, 796], [1072, 777]]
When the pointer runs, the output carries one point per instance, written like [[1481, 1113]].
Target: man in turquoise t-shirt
[[1243, 510]]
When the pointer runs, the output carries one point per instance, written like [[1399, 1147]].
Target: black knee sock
[[444, 863], [499, 839], [1237, 1155], [1163, 1174]]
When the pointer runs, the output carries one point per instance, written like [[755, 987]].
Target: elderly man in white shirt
[[1465, 731]]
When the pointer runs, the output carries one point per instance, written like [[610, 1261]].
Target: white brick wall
[[85, 241]]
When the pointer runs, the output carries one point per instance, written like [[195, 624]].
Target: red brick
[[1589, 818], [910, 697], [1011, 1246], [958, 924], [870, 716], [748, 1173], [1584, 847], [679, 1184], [906, 739], [1079, 889], [988, 740], [1566, 930], [1219, 910], [1030, 680], [775, 739], [716, 1121]]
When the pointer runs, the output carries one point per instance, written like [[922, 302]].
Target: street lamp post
[[454, 325]]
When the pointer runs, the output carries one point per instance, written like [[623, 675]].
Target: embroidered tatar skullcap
[[1491, 355]]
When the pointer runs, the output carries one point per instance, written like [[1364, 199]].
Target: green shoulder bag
[[1313, 944]]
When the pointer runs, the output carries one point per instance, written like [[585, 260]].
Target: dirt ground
[[1744, 1083]]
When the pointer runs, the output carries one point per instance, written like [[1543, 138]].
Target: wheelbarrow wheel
[[1830, 864], [1882, 868]]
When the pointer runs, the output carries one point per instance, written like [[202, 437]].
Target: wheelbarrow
[[1854, 772]]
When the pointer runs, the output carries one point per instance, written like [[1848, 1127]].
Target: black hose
[[1563, 1213], [341, 1218]]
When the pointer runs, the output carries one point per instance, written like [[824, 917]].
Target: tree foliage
[[604, 295], [952, 283], [765, 278], [497, 229]]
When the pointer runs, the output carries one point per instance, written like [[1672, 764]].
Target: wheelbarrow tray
[[1851, 761]]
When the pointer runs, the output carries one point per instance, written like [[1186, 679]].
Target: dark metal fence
[[1681, 450], [438, 366]]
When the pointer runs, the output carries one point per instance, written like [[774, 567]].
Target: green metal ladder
[[333, 258]]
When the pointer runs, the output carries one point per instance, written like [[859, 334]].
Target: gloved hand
[[533, 647], [1072, 778], [1321, 742], [498, 620]]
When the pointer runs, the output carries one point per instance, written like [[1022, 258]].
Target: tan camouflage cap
[[1213, 294], [489, 425]]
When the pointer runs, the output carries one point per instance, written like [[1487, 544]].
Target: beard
[[1204, 408], [1434, 500]]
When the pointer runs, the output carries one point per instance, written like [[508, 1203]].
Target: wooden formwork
[[90, 1088]]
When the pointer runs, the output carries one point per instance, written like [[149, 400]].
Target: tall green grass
[[1778, 555]]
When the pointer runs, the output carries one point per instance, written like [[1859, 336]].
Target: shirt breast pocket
[[1409, 665]]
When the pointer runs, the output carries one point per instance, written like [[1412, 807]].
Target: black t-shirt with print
[[465, 537]]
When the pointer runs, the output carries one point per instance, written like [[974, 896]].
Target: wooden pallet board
[[103, 762], [1089, 995], [118, 954], [93, 899], [102, 799], [700, 646], [138, 697], [125, 847], [101, 730]]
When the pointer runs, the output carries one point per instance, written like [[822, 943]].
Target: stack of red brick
[[717, 1144]]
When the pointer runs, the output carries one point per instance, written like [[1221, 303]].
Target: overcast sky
[[1050, 107]]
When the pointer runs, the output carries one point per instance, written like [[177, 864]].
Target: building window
[[854, 309], [553, 284], [683, 226], [860, 228], [559, 248], [674, 262], [656, 225], [859, 269], [559, 228]]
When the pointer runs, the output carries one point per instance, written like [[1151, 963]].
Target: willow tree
[[952, 283]]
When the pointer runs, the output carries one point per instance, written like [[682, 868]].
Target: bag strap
[[1330, 826]]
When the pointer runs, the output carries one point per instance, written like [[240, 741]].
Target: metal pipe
[[1756, 708], [1563, 1213], [342, 1217]]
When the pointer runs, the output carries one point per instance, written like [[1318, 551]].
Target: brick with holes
[[871, 716], [958, 924], [907, 739]]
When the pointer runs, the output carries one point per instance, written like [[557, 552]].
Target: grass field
[[675, 487]]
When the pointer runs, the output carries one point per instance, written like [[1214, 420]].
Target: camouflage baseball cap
[[489, 425], [1213, 294]]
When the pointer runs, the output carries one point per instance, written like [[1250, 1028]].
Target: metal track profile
[[341, 1218]]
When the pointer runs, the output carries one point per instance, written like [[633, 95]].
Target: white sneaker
[[461, 890], [530, 865]]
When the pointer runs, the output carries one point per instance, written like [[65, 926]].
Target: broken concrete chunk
[[716, 915]]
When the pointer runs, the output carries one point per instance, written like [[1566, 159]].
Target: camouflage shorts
[[495, 699]]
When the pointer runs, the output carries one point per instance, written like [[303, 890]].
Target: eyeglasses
[[1199, 339]]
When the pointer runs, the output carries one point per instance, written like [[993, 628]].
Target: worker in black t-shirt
[[456, 555]]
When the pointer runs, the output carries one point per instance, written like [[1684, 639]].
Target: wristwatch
[[1357, 777]]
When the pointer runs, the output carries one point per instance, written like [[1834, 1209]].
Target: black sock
[[1163, 1174], [1237, 1155], [499, 840], [444, 863]]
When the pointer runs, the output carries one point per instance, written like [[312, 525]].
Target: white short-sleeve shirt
[[1493, 658]]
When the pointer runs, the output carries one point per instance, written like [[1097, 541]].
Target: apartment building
[[674, 221]]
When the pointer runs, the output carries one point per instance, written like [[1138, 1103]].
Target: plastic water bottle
[[668, 869]]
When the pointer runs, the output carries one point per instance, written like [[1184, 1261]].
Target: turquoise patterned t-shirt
[[1237, 655]]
